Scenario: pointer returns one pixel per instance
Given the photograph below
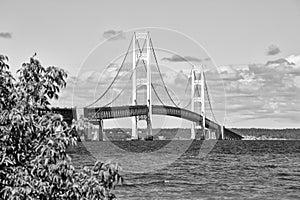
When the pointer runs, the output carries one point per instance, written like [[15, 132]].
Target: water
[[231, 170]]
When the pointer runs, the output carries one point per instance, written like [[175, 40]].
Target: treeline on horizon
[[170, 133], [125, 133], [288, 133]]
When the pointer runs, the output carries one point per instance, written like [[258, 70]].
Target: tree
[[33, 159]]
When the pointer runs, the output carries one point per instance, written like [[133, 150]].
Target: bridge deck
[[100, 113]]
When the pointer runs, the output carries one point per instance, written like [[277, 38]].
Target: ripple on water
[[232, 170]]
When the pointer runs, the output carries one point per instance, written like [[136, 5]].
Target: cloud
[[273, 50], [279, 62], [5, 35], [180, 78], [228, 73], [114, 35], [294, 59], [297, 81], [263, 91], [177, 58]]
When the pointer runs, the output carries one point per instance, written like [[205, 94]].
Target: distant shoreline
[[268, 134], [184, 133]]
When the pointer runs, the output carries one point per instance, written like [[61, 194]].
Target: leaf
[[35, 160]]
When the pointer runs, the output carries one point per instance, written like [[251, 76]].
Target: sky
[[251, 46]]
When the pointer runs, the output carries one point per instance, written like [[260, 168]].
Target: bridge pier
[[222, 132], [100, 131], [134, 129], [193, 132], [149, 128]]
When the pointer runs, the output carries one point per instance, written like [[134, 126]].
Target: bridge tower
[[197, 97], [139, 54]]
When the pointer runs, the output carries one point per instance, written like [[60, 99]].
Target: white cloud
[[262, 91], [114, 35], [273, 50], [297, 81], [294, 59]]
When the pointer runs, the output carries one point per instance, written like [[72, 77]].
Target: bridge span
[[144, 108], [98, 114], [101, 113]]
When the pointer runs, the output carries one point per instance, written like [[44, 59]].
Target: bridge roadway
[[100, 113]]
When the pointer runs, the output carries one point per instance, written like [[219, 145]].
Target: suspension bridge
[[146, 110]]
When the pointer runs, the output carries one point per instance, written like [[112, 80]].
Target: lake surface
[[200, 170]]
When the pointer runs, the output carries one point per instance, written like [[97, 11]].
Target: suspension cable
[[157, 65], [130, 74], [188, 104], [156, 94], [162, 79], [144, 64], [115, 78], [188, 83], [115, 98], [141, 50], [210, 106], [208, 98]]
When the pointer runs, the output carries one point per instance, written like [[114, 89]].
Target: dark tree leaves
[[33, 159]]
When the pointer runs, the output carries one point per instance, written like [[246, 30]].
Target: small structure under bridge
[[207, 128]]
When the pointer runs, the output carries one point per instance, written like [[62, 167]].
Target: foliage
[[33, 159]]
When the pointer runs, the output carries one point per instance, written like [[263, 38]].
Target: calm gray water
[[231, 169]]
